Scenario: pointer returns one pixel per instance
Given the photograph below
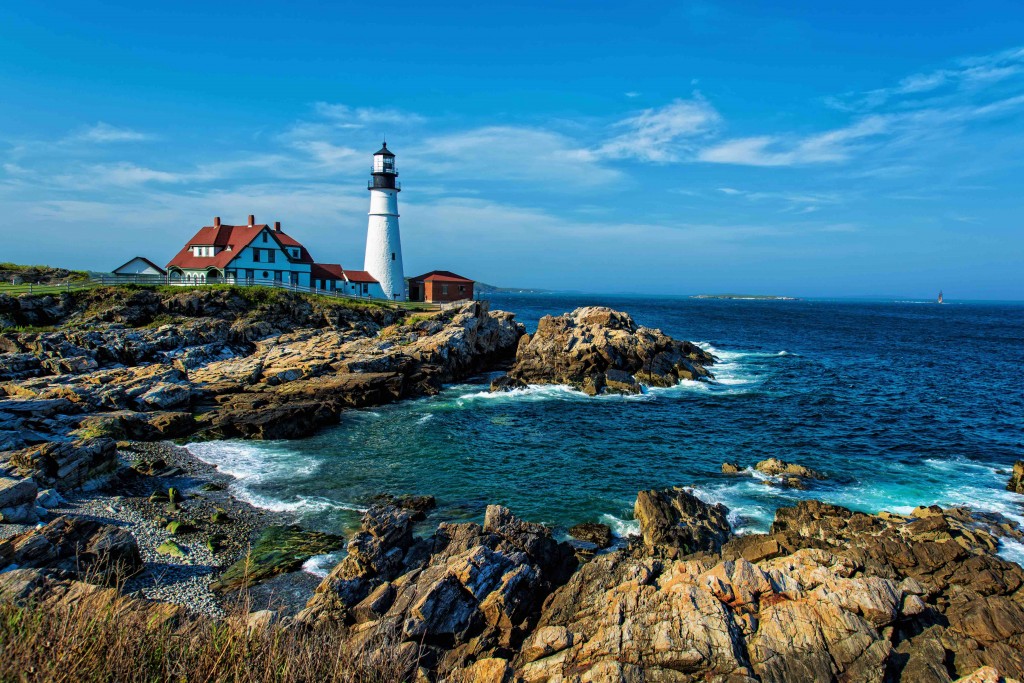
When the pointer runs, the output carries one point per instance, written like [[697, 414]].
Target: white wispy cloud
[[964, 75], [327, 154], [805, 201], [343, 115], [509, 153], [104, 132], [774, 150], [661, 134]]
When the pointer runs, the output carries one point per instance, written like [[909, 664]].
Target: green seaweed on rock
[[279, 549]]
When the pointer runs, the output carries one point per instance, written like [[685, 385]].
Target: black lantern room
[[384, 172]]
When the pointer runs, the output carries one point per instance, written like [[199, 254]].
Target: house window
[[444, 289], [249, 274], [270, 255], [256, 255], [277, 275], [462, 289], [265, 275], [366, 288], [264, 236]]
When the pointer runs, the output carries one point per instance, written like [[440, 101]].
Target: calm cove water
[[901, 403]]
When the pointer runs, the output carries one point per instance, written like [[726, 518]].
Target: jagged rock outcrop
[[675, 518], [466, 593], [592, 532], [600, 350], [1016, 483], [249, 362], [64, 465], [82, 548], [830, 595], [788, 474]]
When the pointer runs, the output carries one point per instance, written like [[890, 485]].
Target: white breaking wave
[[246, 461], [321, 565], [621, 528], [270, 461]]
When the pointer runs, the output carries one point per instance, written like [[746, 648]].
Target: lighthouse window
[[392, 256]]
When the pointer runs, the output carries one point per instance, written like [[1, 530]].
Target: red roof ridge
[[237, 237], [442, 275], [359, 276]]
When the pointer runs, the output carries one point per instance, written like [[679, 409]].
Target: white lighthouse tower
[[383, 243]]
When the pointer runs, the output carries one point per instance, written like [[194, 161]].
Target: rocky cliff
[[151, 364], [828, 595], [601, 350]]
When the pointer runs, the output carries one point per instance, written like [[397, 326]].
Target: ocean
[[901, 403]]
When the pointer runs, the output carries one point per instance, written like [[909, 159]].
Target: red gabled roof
[[237, 237], [359, 276], [326, 271], [441, 276]]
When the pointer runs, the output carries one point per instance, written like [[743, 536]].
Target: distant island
[[484, 288], [758, 297]]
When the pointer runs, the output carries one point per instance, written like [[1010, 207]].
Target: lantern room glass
[[383, 164]]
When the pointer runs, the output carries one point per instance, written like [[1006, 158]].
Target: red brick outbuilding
[[439, 286]]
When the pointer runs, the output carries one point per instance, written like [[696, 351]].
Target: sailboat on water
[[940, 296]]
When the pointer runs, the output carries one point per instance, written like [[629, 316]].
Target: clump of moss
[[170, 548], [101, 426]]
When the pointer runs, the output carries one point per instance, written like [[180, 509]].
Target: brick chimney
[[252, 220], [216, 221], [277, 226]]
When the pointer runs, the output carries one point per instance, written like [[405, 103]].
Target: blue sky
[[802, 148]]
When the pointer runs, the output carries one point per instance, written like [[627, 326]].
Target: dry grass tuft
[[84, 642]]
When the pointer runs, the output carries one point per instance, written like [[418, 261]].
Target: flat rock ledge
[[598, 350]]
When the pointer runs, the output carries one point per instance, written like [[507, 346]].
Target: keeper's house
[[258, 254], [440, 285]]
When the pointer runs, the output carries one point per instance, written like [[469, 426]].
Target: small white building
[[140, 265]]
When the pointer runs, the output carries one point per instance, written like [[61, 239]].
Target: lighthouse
[[383, 243]]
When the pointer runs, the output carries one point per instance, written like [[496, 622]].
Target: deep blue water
[[901, 403]]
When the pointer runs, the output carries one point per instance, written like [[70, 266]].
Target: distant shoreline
[[755, 297]]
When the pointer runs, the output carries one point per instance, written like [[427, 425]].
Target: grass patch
[[29, 329], [93, 641]]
